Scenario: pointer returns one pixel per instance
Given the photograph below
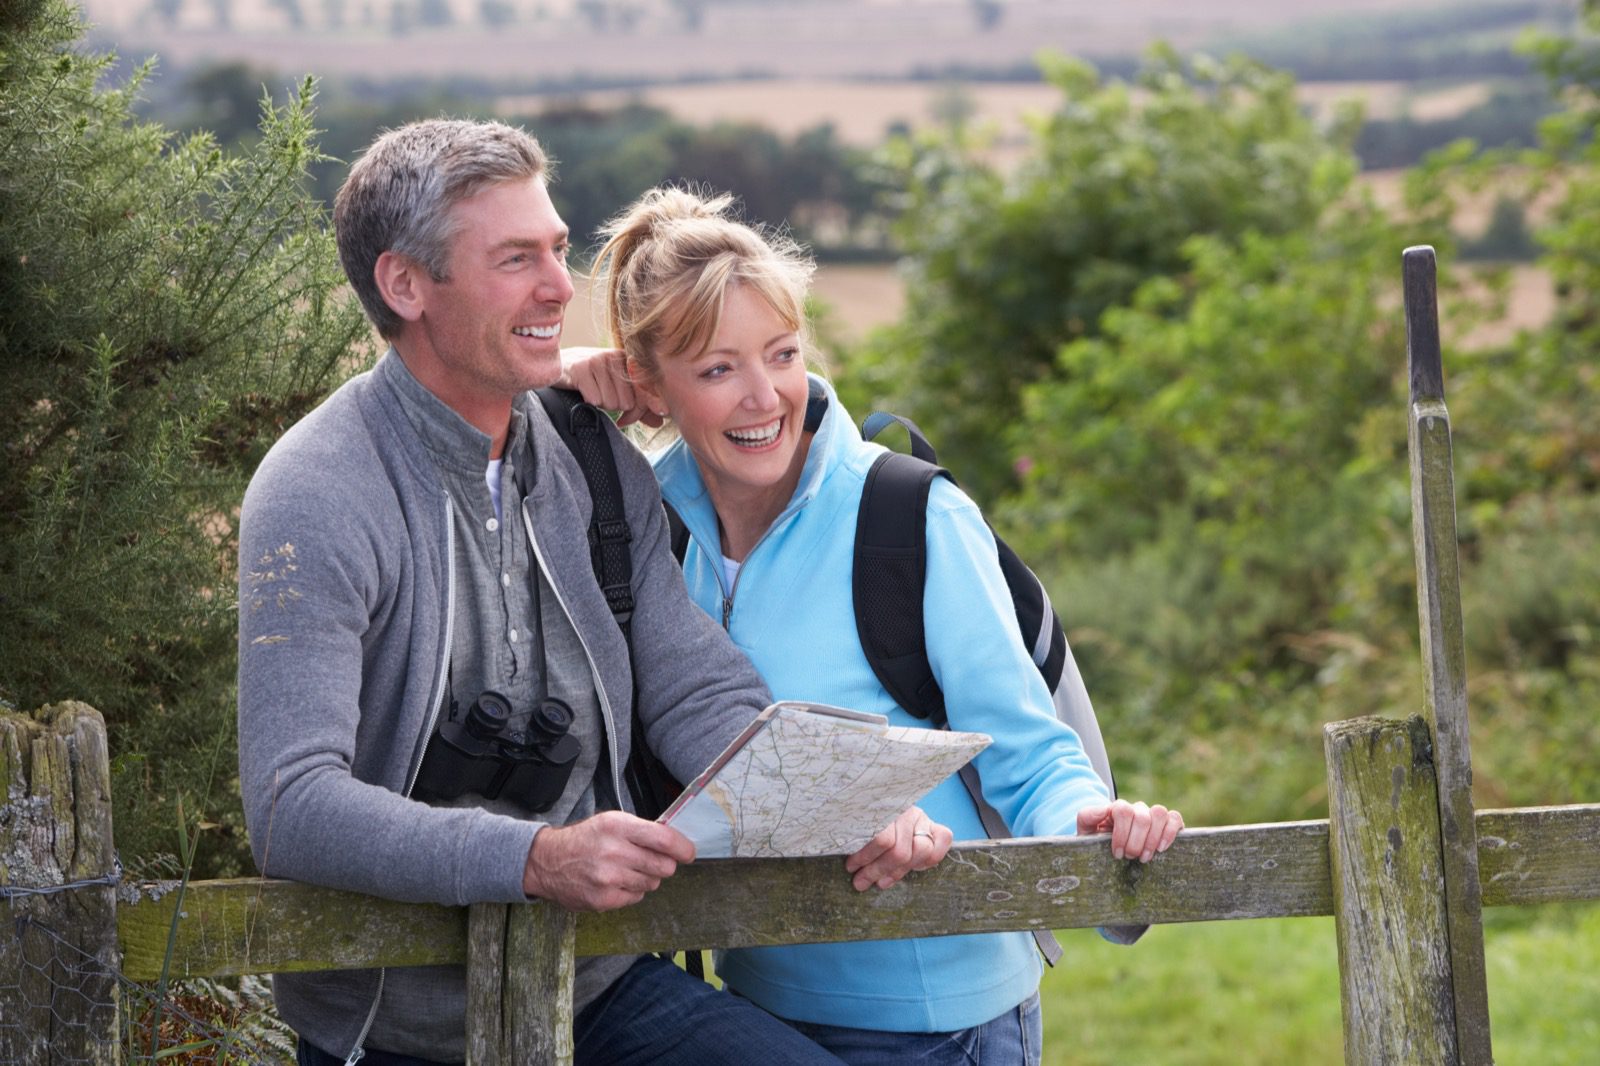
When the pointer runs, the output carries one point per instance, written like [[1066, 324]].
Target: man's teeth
[[756, 436], [542, 332]]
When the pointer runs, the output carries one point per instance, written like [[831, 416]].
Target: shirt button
[[491, 525], [513, 635], [505, 580]]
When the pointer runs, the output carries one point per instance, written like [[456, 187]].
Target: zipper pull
[[727, 610]]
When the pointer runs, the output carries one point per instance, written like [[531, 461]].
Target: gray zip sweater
[[345, 597]]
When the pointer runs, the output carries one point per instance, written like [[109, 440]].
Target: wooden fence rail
[[1403, 863]]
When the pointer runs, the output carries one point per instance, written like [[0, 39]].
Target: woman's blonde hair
[[669, 260]]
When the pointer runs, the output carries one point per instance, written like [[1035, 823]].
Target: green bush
[[1005, 268], [166, 310]]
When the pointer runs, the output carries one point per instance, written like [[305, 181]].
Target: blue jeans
[[656, 1014], [1012, 1039]]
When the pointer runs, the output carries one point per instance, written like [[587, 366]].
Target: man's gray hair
[[399, 194]]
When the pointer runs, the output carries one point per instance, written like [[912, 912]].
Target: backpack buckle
[[614, 531]]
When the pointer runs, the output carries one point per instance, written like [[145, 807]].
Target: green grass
[[1267, 992]]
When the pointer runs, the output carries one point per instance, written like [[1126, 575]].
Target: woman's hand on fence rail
[[1138, 830], [604, 862], [913, 841]]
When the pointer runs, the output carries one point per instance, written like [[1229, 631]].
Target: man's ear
[[400, 281]]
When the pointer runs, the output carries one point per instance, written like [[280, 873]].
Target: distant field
[[801, 38], [861, 112]]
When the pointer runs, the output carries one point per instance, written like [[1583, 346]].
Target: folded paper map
[[809, 779]]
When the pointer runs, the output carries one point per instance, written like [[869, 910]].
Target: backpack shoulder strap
[[677, 531], [878, 421], [890, 567], [580, 428]]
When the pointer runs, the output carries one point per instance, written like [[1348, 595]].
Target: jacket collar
[[452, 442]]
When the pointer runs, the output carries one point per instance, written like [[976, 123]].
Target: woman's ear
[[647, 388], [399, 281]]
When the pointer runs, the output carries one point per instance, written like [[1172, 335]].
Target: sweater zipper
[[727, 599], [359, 1050], [594, 668]]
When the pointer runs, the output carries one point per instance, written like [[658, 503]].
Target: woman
[[709, 318]]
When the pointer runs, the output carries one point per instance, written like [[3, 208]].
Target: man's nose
[[554, 283]]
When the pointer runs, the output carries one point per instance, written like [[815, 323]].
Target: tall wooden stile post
[[1433, 517]]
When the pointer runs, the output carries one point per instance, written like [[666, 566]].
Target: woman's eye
[[788, 355], [714, 372]]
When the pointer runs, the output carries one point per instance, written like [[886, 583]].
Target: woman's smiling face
[[740, 404]]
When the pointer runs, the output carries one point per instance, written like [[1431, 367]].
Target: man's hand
[[601, 376], [911, 842], [1137, 831], [601, 863]]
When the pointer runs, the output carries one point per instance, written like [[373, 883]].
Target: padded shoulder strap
[[580, 425], [677, 531], [890, 567], [581, 429]]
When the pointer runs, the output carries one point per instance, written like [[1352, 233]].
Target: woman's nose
[[761, 394]]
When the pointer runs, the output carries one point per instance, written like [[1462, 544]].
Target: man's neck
[[488, 414]]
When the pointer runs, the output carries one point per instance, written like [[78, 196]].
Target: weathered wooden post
[[58, 941], [1389, 893], [519, 984], [1433, 526]]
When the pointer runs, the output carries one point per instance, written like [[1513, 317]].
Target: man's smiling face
[[492, 330]]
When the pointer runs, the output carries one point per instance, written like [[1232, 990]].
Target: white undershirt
[[492, 476], [730, 570]]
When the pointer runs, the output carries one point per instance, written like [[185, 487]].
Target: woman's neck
[[745, 514]]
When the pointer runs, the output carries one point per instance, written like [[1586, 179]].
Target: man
[[413, 553]]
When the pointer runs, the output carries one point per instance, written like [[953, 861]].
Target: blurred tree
[[227, 99], [1003, 268], [166, 310], [292, 11], [1506, 237], [167, 11], [497, 14]]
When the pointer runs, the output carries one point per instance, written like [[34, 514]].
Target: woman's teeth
[[756, 437]]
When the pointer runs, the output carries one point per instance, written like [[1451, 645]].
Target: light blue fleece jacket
[[790, 610]]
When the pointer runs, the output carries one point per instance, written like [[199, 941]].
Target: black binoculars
[[481, 752]]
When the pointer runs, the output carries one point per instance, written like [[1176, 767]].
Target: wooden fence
[[1403, 863]]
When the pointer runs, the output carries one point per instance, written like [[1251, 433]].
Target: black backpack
[[890, 568]]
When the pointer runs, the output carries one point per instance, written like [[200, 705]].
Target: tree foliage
[[166, 310], [1007, 267], [1170, 345]]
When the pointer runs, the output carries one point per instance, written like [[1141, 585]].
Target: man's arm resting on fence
[[604, 862]]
